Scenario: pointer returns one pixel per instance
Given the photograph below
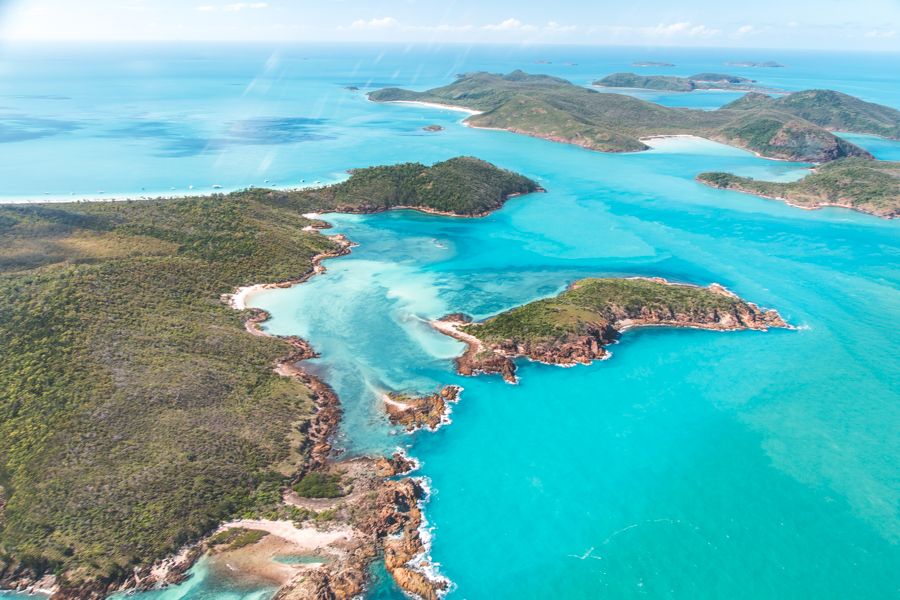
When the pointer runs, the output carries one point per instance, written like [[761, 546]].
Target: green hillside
[[555, 109], [136, 412], [864, 185]]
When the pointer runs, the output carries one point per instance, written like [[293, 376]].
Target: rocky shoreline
[[421, 412], [382, 514], [498, 357]]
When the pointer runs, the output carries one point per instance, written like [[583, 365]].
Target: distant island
[[433, 128], [700, 81], [576, 326], [868, 186], [650, 63], [140, 413], [768, 64], [793, 127]]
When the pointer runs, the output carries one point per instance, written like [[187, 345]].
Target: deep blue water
[[692, 464]]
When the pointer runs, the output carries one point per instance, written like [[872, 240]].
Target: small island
[[651, 63], [421, 412], [700, 81], [576, 326], [868, 186], [766, 64], [433, 128], [796, 126]]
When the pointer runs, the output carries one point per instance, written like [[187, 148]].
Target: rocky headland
[[576, 326]]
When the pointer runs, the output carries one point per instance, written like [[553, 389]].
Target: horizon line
[[81, 41]]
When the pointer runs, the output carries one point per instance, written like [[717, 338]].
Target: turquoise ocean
[[691, 464]]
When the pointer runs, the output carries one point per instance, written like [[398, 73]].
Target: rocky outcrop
[[587, 340], [397, 521], [386, 517], [429, 412], [398, 464]]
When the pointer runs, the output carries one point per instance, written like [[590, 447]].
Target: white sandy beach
[[239, 299], [436, 105], [308, 538]]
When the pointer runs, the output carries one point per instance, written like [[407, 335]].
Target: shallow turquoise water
[[205, 583], [690, 465]]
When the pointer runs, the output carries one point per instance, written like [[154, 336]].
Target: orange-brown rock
[[423, 411]]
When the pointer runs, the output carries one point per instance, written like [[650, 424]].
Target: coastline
[[161, 195], [482, 357], [419, 103], [376, 522], [384, 525], [786, 201]]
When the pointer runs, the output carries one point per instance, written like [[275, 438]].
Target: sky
[[794, 24]]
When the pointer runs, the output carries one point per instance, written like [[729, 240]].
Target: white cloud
[[680, 29], [510, 24], [242, 5], [556, 27], [382, 23], [881, 34], [233, 7], [745, 30]]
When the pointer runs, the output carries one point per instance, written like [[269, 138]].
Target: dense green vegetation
[[319, 485], [832, 110], [597, 304], [463, 186], [700, 81], [865, 185], [794, 127], [236, 538], [136, 413]]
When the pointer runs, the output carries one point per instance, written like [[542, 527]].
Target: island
[[700, 81], [421, 412], [793, 127], [433, 128], [766, 64], [140, 412], [868, 186], [576, 326], [651, 63]]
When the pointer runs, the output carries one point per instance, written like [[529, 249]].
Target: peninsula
[[794, 127], [576, 326], [869, 186], [668, 83], [138, 413]]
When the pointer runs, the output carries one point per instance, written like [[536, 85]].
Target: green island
[[766, 64], [136, 411], [865, 185], [575, 326], [651, 63], [668, 83], [794, 127]]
